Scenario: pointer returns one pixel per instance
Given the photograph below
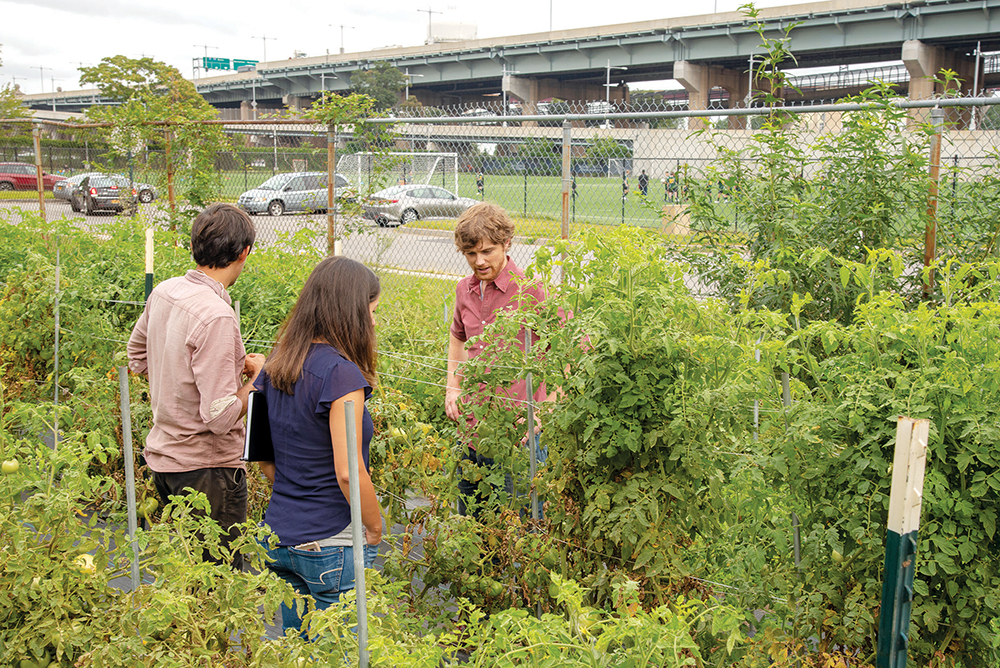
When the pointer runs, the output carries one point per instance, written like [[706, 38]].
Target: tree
[[606, 147], [382, 83], [10, 105], [533, 147], [149, 94]]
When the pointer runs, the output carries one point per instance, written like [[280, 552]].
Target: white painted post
[[905, 500]]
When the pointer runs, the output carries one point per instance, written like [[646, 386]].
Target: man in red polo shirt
[[483, 235]]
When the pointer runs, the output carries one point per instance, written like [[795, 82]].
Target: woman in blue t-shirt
[[325, 356]]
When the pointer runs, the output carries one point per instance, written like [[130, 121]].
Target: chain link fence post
[[930, 232], [36, 134], [331, 190]]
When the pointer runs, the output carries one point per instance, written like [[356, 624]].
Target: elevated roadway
[[704, 53]]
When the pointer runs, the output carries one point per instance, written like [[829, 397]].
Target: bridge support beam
[[530, 91], [924, 62], [699, 80]]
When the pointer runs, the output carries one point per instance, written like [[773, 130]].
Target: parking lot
[[402, 248]]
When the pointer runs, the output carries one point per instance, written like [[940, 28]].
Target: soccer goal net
[[374, 171]]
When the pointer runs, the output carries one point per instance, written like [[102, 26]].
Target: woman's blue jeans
[[322, 575]]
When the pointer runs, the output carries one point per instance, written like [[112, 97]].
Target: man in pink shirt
[[483, 234], [187, 342]]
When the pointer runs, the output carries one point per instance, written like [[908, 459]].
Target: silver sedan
[[412, 202]]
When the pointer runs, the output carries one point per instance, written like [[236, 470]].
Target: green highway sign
[[215, 63], [237, 63]]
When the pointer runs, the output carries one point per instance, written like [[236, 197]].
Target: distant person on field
[[483, 234], [624, 184], [187, 342], [324, 357], [670, 187], [644, 183], [480, 187]]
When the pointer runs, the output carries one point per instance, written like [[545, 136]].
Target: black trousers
[[226, 490]]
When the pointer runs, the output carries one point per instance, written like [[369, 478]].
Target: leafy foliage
[[382, 83], [150, 95]]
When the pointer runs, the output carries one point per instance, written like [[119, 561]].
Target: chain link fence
[[683, 173]]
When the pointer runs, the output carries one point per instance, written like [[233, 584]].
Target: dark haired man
[[483, 234], [187, 342]]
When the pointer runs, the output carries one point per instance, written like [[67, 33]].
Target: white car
[[412, 202], [295, 191]]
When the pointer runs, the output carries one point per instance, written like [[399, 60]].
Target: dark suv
[[104, 193], [24, 176]]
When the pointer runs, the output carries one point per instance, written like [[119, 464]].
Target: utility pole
[[264, 38], [341, 26], [429, 11]]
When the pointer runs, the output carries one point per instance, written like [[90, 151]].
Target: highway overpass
[[705, 53]]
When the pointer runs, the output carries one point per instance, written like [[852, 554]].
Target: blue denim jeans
[[322, 575]]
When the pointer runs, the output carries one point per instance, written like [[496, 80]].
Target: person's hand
[[451, 408], [253, 364], [527, 433]]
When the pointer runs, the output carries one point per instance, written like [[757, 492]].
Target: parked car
[[295, 191], [105, 192], [24, 176], [411, 202], [64, 189]]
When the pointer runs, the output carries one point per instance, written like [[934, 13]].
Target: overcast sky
[[58, 35]]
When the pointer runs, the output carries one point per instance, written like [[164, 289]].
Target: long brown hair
[[333, 307]]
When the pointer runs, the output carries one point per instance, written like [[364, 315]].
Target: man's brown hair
[[483, 222], [219, 235]]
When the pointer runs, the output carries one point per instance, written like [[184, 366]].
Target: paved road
[[400, 249]]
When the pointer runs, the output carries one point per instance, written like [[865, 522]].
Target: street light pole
[[41, 73], [607, 87], [407, 74], [341, 26], [54, 92], [264, 38]]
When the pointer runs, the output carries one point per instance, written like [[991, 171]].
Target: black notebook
[[257, 447]]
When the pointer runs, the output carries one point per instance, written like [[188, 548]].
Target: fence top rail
[[496, 120], [702, 113], [214, 121]]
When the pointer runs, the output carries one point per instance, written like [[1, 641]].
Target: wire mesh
[[648, 163]]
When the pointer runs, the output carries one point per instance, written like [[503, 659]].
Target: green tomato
[[149, 506], [10, 466], [397, 435], [837, 557]]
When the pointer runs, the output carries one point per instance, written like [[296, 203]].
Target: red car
[[24, 176]]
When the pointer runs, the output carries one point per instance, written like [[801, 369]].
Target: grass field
[[536, 201]]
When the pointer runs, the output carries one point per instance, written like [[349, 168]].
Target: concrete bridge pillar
[[924, 62], [530, 91], [246, 111], [295, 102], [699, 80]]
